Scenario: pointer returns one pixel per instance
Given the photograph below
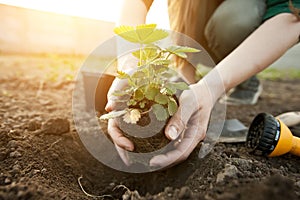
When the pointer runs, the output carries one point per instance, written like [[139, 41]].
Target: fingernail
[[108, 106], [128, 148], [173, 134]]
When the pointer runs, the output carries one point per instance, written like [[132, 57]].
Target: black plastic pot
[[96, 86]]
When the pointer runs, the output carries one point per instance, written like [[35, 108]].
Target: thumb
[[116, 85], [177, 124], [109, 105]]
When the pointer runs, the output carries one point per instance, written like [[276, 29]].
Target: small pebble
[[228, 171], [34, 125], [3, 154], [7, 181], [185, 193], [15, 154], [13, 144]]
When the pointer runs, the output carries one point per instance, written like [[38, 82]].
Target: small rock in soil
[[13, 144], [244, 164], [34, 125], [16, 168], [229, 171], [185, 193], [15, 154], [7, 181], [3, 154], [297, 184], [56, 126]]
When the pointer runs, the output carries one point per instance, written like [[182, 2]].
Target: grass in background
[[279, 74], [50, 67]]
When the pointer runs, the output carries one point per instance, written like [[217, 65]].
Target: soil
[[147, 134], [42, 157]]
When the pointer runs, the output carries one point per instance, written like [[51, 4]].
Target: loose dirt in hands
[[39, 161]]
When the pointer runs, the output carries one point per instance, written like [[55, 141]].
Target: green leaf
[[141, 82], [159, 68], [156, 35], [169, 74], [147, 53], [150, 52], [177, 49], [170, 89], [123, 29], [178, 85], [181, 50], [151, 92], [138, 95], [112, 114], [180, 54], [148, 33], [131, 83], [119, 93], [143, 34], [142, 104], [161, 62], [161, 99], [128, 33], [138, 74], [131, 102], [160, 112], [122, 75], [145, 30], [172, 106], [137, 54]]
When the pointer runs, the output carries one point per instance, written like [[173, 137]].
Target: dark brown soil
[[38, 161], [146, 125]]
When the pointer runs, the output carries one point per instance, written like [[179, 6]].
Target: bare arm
[[268, 43], [133, 12]]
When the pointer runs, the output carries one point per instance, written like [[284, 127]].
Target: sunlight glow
[[94, 9], [105, 10]]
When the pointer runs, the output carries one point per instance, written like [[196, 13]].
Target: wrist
[[212, 85]]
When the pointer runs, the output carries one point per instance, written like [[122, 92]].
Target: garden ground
[[42, 157]]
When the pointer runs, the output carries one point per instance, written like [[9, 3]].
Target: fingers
[[123, 155], [118, 137], [182, 151], [177, 124], [117, 84], [194, 133]]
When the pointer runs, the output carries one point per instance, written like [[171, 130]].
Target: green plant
[[149, 86]]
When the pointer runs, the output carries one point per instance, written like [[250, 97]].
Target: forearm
[[264, 46], [133, 12]]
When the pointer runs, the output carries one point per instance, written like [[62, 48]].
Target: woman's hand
[[188, 126], [121, 142]]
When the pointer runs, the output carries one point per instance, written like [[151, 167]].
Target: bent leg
[[231, 23]]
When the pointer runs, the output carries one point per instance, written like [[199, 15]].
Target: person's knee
[[231, 23]]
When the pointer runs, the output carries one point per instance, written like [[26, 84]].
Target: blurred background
[[75, 27], [67, 27]]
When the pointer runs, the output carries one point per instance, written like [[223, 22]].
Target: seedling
[[149, 87]]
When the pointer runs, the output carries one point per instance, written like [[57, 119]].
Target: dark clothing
[[275, 7]]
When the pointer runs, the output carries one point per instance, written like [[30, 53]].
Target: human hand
[[121, 142], [188, 126]]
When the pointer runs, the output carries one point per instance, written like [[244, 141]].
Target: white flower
[[132, 116]]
